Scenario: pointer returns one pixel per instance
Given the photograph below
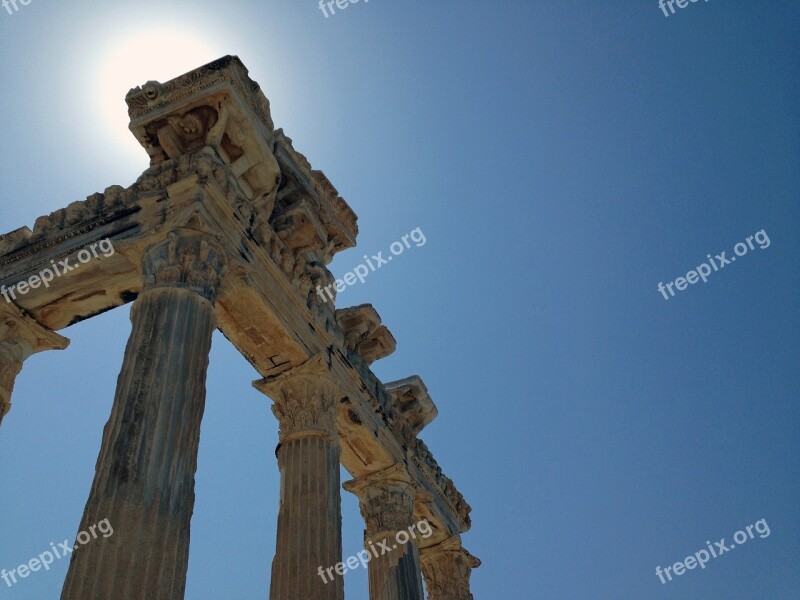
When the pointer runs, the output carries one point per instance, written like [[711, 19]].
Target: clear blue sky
[[562, 159]]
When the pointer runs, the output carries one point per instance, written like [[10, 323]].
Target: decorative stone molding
[[187, 259], [20, 337], [154, 96], [364, 333], [442, 486], [442, 483], [305, 400], [301, 181], [220, 106], [300, 230], [75, 220], [386, 499], [211, 139], [411, 399], [115, 203], [447, 568]]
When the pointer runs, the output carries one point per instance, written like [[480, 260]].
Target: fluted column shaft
[[447, 568], [387, 505], [20, 337], [144, 478], [310, 514]]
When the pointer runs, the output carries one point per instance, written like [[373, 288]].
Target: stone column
[[447, 568], [20, 337], [387, 505], [310, 513], [144, 478]]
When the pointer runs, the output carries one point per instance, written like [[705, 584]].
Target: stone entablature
[[410, 397], [364, 333], [232, 212], [20, 337], [218, 105]]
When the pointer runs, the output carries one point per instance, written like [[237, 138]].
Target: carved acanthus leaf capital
[[447, 568], [387, 501], [188, 259], [305, 400]]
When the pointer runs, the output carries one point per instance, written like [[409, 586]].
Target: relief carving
[[387, 504], [187, 259], [304, 399], [447, 569]]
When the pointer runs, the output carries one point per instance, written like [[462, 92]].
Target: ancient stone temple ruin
[[230, 228]]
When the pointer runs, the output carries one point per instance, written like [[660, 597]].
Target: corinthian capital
[[447, 568], [188, 259], [305, 400], [387, 501]]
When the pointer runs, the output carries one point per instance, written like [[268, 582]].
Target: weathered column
[[20, 337], [144, 479], [447, 568], [387, 505], [310, 512]]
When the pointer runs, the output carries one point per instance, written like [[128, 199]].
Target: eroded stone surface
[[219, 166], [364, 334], [447, 568], [309, 515], [410, 397], [20, 337], [387, 501]]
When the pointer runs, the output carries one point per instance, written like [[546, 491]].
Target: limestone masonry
[[230, 228]]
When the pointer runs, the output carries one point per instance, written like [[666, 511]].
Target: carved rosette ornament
[[187, 259], [447, 568], [20, 337], [304, 400]]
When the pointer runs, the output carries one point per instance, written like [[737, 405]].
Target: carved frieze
[[439, 481], [210, 105], [213, 126], [154, 95]]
